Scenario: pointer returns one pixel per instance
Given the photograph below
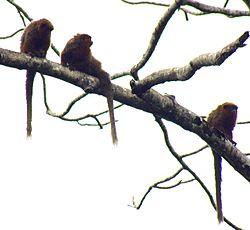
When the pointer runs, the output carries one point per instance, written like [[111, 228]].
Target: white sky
[[63, 179]]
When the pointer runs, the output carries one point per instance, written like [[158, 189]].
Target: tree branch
[[155, 37], [195, 152], [186, 72], [202, 8], [185, 166], [212, 9], [154, 186], [12, 35], [151, 101]]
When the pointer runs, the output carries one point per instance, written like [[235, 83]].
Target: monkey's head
[[84, 40], [45, 26], [229, 109], [223, 118]]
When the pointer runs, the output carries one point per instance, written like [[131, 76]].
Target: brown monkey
[[77, 56], [35, 42], [223, 118]]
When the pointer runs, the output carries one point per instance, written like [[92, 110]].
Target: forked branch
[[186, 72]]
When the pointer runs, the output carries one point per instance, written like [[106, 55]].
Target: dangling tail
[[108, 92], [217, 170], [29, 91], [112, 119]]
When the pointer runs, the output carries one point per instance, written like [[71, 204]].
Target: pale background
[[71, 177]]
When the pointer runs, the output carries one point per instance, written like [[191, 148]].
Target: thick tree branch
[[151, 101], [186, 72]]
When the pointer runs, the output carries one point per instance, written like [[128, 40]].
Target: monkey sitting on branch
[[223, 118], [35, 42], [77, 56]]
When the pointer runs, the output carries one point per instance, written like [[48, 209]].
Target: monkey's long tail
[[112, 117], [217, 171], [29, 91]]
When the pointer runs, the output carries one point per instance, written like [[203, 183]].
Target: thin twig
[[243, 122], [12, 35], [225, 5], [69, 107], [175, 185], [20, 9], [153, 186], [194, 152], [67, 110], [146, 3]]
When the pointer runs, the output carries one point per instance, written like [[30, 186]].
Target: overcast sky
[[71, 177]]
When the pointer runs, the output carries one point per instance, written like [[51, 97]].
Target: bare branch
[[119, 75], [175, 185], [212, 9], [186, 11], [20, 10], [185, 166], [243, 122], [155, 37], [225, 4], [55, 49], [195, 152], [146, 3], [67, 110], [186, 72], [154, 186], [69, 107], [202, 8], [12, 35]]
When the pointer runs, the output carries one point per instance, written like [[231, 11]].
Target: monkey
[[77, 56], [223, 119], [35, 42]]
